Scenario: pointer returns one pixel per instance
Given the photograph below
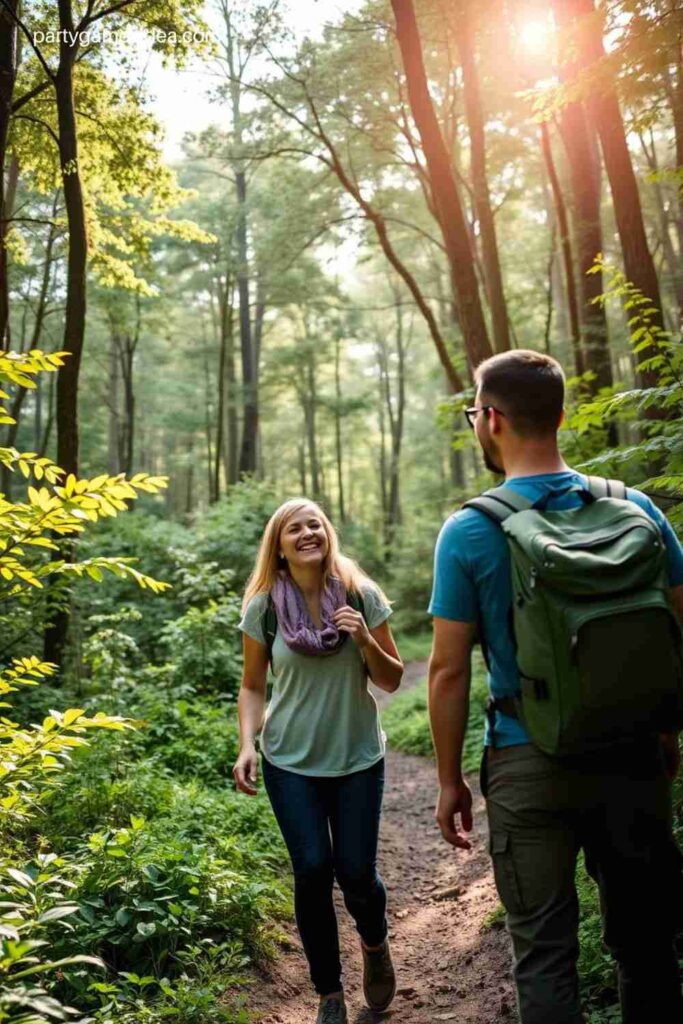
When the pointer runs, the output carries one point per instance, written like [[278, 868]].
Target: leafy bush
[[230, 532], [413, 646], [34, 755], [205, 648], [656, 410]]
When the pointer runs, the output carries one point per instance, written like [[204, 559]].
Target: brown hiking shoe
[[332, 1009], [379, 979]]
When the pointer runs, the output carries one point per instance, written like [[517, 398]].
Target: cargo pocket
[[504, 871]]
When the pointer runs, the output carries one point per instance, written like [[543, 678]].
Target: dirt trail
[[449, 966]]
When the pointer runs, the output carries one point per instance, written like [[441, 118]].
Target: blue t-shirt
[[472, 572]]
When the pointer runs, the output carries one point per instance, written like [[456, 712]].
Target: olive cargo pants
[[541, 813]]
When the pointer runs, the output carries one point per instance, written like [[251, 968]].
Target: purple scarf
[[294, 619]]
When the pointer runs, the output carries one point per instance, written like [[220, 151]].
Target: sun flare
[[534, 36]]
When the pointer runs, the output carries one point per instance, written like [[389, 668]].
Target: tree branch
[[17, 20], [43, 124], [90, 19]]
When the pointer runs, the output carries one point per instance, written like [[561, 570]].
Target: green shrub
[[205, 648], [413, 646], [409, 583], [406, 721], [230, 532]]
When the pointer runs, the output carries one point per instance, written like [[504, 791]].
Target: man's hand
[[672, 754], [453, 800]]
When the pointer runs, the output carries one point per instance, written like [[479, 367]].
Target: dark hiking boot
[[379, 979], [332, 1009]]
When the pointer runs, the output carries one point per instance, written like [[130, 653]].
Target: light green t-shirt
[[322, 718]]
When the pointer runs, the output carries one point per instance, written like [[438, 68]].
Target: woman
[[322, 624]]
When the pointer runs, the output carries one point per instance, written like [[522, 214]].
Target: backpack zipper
[[577, 545]]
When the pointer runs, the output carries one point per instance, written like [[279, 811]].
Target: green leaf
[[146, 928], [55, 913]]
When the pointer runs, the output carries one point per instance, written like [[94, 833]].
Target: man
[[542, 811]]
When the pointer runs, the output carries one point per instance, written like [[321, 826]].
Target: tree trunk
[[232, 425], [583, 158], [309, 400], [250, 414], [208, 424], [456, 464], [221, 416], [302, 468], [45, 440], [247, 462], [603, 107], [671, 260], [20, 394], [114, 432], [127, 367], [8, 74], [74, 324], [675, 94], [339, 450], [444, 189], [482, 201], [549, 286], [383, 475], [38, 414], [189, 490], [565, 244], [397, 418]]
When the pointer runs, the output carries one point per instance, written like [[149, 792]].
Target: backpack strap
[[354, 599], [269, 625], [499, 504], [599, 487]]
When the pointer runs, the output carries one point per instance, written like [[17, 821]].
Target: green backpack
[[598, 645]]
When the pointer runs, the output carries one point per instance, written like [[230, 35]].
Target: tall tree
[[236, 63], [493, 276], [583, 160], [392, 376], [35, 340], [71, 30], [602, 104], [560, 208], [8, 73], [443, 186], [338, 445]]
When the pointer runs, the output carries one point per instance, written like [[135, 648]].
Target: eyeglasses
[[471, 413]]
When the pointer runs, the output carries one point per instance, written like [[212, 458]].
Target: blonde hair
[[336, 564]]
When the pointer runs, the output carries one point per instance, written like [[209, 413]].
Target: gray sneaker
[[379, 979], [332, 1010]]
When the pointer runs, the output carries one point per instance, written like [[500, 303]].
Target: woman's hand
[[353, 623], [245, 771]]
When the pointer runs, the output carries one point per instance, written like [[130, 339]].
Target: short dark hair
[[527, 386]]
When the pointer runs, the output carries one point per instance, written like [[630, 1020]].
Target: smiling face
[[303, 540]]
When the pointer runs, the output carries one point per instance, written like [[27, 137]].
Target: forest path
[[449, 966]]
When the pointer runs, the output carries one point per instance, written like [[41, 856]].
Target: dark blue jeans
[[331, 828]]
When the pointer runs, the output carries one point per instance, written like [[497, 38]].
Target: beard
[[491, 458]]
